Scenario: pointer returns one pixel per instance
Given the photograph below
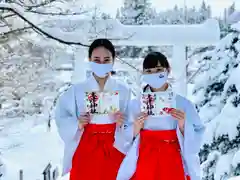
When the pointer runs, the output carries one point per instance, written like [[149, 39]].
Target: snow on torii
[[179, 36]]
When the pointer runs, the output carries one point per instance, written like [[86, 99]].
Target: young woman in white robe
[[94, 144], [165, 148]]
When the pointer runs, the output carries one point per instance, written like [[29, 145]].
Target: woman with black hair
[[94, 144], [165, 147]]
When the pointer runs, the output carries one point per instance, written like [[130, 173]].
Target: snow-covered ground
[[29, 145], [235, 178]]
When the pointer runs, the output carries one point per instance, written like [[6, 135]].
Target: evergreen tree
[[204, 13], [231, 9], [203, 6], [225, 16], [136, 12], [217, 92], [175, 8], [118, 14], [192, 15], [209, 11], [105, 16], [183, 15]]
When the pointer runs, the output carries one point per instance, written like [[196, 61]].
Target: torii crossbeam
[[178, 36]]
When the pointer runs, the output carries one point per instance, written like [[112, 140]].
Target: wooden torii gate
[[178, 36]]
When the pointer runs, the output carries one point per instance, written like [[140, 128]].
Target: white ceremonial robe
[[70, 106], [190, 143]]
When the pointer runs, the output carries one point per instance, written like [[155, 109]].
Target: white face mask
[[101, 70], [156, 80]]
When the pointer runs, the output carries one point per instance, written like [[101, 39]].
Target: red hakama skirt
[[95, 157], [159, 156]]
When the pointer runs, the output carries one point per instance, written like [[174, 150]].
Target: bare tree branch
[[130, 65], [39, 29], [194, 75], [4, 21], [30, 9], [57, 13], [15, 31], [49, 35], [48, 13], [27, 7], [20, 4], [8, 16]]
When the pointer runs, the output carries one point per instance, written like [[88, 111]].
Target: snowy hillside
[[217, 95]]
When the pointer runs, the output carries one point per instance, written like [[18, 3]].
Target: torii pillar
[[178, 36]]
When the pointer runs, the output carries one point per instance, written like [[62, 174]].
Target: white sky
[[110, 6]]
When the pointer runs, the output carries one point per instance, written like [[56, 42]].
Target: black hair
[[155, 58], [152, 60], [101, 43], [113, 72]]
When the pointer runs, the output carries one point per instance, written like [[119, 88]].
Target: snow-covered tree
[[192, 15], [28, 78], [118, 14], [28, 72], [29, 63], [31, 72], [187, 15], [231, 9], [105, 16], [2, 168], [136, 12], [204, 12], [217, 95]]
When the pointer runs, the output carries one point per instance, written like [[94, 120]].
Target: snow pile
[[30, 150], [235, 178], [217, 95]]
